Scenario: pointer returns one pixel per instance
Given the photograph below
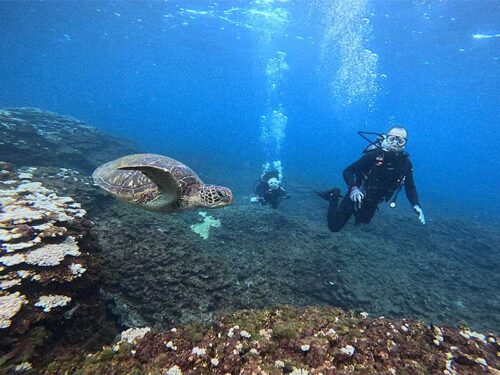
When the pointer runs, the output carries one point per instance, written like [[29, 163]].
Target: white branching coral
[[32, 187], [6, 282], [16, 214], [77, 269], [174, 371], [232, 330], [131, 335], [50, 230], [31, 202], [12, 247], [245, 334], [12, 260], [13, 233], [49, 302], [35, 247], [199, 351], [53, 254], [10, 305]]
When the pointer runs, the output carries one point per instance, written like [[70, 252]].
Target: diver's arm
[[361, 164], [411, 193], [410, 188]]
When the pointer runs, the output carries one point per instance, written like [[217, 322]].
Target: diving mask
[[393, 143], [273, 183], [395, 140]]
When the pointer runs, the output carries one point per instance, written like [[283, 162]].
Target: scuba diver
[[376, 177], [269, 188]]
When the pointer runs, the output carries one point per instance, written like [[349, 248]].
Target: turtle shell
[[132, 184]]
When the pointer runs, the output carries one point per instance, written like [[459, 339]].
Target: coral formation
[[360, 345], [131, 335], [10, 304], [45, 249], [47, 303]]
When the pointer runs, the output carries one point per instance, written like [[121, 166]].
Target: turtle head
[[213, 196]]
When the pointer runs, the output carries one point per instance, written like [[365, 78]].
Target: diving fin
[[166, 182]]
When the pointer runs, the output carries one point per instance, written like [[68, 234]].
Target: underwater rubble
[[298, 341], [49, 271], [31, 136]]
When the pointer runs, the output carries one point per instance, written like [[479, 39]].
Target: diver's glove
[[420, 213], [356, 195]]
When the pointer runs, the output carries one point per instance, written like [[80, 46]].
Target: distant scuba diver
[[269, 188], [376, 177]]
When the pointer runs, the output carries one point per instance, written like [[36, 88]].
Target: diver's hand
[[420, 213], [356, 195]]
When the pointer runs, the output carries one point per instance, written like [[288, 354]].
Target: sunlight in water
[[351, 67], [271, 21], [273, 123]]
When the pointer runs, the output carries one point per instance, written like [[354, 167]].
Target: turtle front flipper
[[168, 186]]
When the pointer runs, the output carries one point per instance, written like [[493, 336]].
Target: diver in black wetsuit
[[376, 177], [269, 188]]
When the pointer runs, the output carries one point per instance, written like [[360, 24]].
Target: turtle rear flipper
[[166, 182]]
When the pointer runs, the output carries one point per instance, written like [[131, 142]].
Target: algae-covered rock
[[31, 136], [243, 343]]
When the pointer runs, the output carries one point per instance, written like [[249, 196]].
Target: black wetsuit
[[268, 195], [379, 174]]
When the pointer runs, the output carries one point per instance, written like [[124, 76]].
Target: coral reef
[[48, 265], [30, 136], [287, 340]]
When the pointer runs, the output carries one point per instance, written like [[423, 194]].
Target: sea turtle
[[159, 183]]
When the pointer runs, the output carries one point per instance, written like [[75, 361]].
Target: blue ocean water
[[193, 80]]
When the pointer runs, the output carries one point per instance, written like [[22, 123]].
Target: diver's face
[[393, 143], [273, 183]]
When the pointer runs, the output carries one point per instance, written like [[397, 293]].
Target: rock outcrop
[[30, 136]]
